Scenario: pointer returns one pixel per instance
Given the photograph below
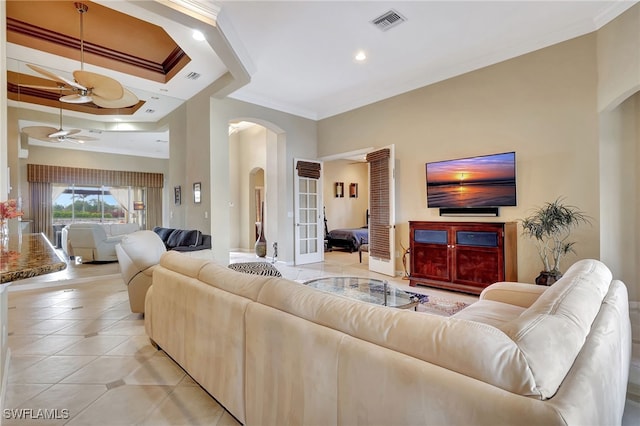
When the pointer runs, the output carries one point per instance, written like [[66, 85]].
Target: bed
[[349, 238]]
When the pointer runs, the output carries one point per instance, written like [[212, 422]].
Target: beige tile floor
[[76, 348]]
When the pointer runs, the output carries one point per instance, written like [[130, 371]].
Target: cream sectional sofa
[[275, 352]]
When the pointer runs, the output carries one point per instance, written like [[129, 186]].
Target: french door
[[309, 231]]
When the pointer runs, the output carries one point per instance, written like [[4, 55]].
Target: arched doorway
[[250, 182]]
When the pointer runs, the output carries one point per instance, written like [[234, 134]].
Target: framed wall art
[[196, 192], [353, 190], [177, 195]]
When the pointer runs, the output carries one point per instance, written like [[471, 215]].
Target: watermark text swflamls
[[35, 414]]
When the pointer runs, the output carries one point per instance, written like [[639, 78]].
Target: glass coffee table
[[364, 289]]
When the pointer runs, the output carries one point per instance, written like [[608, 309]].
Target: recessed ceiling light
[[361, 56], [197, 35]]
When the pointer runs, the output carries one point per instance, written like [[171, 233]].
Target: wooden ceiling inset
[[112, 40]]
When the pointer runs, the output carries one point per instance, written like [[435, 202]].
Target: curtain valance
[[79, 176], [308, 169]]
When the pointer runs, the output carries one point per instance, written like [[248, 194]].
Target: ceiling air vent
[[388, 20], [193, 76]]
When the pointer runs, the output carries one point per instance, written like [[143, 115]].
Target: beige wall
[[345, 212], [289, 137], [619, 59], [175, 215], [618, 49], [541, 105], [248, 155], [619, 196]]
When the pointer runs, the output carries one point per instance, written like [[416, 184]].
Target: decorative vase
[[261, 242], [547, 278]]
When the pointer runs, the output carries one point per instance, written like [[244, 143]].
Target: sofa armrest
[[512, 293]]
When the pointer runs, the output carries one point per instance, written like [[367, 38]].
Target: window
[[96, 204]]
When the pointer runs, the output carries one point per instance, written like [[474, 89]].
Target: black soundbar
[[469, 211]]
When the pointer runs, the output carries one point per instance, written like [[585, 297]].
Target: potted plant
[[550, 226]]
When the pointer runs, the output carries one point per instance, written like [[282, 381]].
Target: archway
[[253, 184]]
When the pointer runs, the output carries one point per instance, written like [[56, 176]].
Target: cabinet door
[[430, 255], [478, 257]]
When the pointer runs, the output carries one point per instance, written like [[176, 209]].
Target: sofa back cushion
[[163, 233], [114, 229], [552, 331], [241, 284], [86, 234], [179, 237], [181, 264], [470, 348], [184, 237]]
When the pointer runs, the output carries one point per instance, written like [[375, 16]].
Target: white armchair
[[91, 242], [138, 254]]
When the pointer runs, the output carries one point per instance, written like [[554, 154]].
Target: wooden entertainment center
[[462, 256]]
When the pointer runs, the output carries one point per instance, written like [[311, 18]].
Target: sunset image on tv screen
[[484, 181]]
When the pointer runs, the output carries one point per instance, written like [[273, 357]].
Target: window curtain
[[57, 190], [38, 174], [41, 208], [154, 207], [122, 197], [379, 208]]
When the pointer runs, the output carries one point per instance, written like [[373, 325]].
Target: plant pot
[[547, 278]]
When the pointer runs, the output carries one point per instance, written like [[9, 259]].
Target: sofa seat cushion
[[490, 312]]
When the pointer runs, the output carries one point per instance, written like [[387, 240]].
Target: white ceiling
[[301, 53]]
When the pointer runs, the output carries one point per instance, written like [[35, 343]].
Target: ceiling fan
[[86, 86], [51, 134]]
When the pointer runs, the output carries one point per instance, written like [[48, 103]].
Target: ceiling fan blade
[[80, 139], [55, 77], [45, 139], [61, 132], [100, 85], [56, 88], [38, 132], [127, 100]]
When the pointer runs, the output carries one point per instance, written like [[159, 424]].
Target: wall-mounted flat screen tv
[[483, 181]]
